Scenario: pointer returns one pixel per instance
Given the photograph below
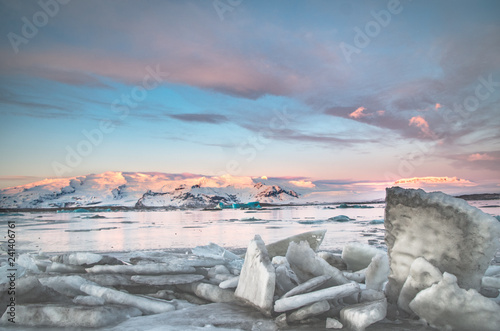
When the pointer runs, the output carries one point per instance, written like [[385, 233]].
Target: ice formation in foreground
[[214, 289]]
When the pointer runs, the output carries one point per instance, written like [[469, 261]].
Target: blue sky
[[251, 88]]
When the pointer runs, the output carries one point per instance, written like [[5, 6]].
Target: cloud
[[480, 157], [421, 123], [358, 113], [433, 180], [437, 106], [200, 118], [302, 183]]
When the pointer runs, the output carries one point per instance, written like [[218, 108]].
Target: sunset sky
[[348, 91]]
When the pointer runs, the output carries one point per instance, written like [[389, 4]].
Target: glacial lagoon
[[181, 230]]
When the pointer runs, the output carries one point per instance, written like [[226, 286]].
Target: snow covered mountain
[[134, 189]]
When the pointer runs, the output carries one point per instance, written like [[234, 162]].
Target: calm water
[[184, 229]]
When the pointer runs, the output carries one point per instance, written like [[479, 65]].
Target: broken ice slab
[[146, 305], [422, 275], [358, 256], [331, 293], [86, 259], [214, 251], [448, 232], [314, 309], [230, 283], [279, 248], [377, 272], [447, 307], [167, 279], [142, 269], [358, 317], [57, 315], [67, 285], [65, 268], [208, 292], [223, 315], [308, 286], [258, 278], [307, 265]]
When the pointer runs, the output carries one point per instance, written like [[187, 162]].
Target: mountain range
[[143, 190]]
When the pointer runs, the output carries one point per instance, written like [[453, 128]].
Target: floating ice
[[446, 306], [65, 268], [332, 323], [341, 218], [230, 283]]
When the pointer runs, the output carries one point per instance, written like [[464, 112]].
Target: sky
[[341, 91]]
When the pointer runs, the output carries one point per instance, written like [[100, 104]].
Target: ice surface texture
[[449, 233]]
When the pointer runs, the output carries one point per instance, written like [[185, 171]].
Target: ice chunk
[[222, 315], [314, 309], [30, 290], [377, 272], [257, 278], [358, 317], [167, 279], [65, 268], [67, 285], [492, 270], [209, 292], [446, 306], [88, 300], [493, 282], [358, 256], [214, 251], [452, 235], [142, 269], [110, 280], [340, 218], [79, 258], [56, 315], [230, 283], [370, 295], [358, 276], [422, 275], [28, 262], [334, 260], [301, 300], [308, 286], [307, 265], [146, 305], [332, 323], [285, 279], [279, 248]]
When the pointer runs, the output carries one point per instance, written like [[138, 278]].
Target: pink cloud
[[480, 157], [421, 123], [302, 183], [437, 106], [433, 180], [358, 113], [380, 112]]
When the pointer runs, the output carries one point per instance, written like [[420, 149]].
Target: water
[[181, 230]]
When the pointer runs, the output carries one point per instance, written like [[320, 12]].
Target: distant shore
[[467, 197]]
